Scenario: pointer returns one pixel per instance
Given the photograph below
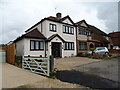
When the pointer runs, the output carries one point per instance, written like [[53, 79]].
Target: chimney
[[58, 15]]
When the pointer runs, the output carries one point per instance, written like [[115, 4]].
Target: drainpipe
[[76, 40]]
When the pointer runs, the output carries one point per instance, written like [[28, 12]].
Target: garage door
[[2, 56]]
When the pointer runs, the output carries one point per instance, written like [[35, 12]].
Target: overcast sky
[[19, 15]]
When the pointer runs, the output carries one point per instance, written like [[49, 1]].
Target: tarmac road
[[100, 75]]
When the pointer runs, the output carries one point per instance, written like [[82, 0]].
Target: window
[[69, 46], [36, 45], [83, 31], [53, 27], [68, 29], [83, 46]]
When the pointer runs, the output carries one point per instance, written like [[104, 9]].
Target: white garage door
[[2, 56]]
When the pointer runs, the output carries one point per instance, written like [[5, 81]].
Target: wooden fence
[[39, 65], [10, 53]]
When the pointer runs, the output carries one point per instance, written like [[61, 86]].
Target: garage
[[2, 56]]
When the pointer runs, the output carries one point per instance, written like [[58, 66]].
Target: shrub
[[98, 56], [83, 54], [53, 73], [92, 49]]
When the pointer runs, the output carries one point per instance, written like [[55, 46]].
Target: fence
[[10, 53], [38, 65]]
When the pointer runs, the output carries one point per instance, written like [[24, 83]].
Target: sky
[[16, 16]]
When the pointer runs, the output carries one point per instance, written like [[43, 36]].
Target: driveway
[[101, 74], [13, 76]]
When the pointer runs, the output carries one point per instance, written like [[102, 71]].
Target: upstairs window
[[68, 29], [83, 31], [36, 45], [53, 27]]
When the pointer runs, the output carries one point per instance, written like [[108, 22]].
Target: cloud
[[19, 15]]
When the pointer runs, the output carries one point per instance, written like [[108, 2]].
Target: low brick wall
[[114, 51]]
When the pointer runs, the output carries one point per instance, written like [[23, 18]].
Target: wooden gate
[[37, 65]]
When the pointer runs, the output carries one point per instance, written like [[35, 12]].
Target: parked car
[[116, 47], [99, 50]]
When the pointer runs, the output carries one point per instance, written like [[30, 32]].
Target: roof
[[55, 19], [55, 35], [114, 34], [99, 38], [92, 28], [32, 34], [115, 38], [96, 30], [80, 22]]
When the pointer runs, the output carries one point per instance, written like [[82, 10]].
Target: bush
[[92, 49], [53, 73], [98, 56], [84, 54]]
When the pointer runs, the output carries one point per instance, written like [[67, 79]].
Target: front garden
[[99, 56]]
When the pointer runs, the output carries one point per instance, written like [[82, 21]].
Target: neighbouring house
[[51, 36], [89, 36], [114, 38]]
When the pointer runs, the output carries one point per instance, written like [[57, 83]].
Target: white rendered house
[[51, 36]]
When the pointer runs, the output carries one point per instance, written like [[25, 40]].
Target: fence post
[[22, 62], [51, 63]]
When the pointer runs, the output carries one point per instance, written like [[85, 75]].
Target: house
[[114, 38], [51, 36], [89, 36]]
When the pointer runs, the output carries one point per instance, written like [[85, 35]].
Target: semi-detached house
[[51, 36]]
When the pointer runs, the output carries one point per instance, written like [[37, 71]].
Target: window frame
[[83, 44], [39, 45], [68, 29], [52, 27], [69, 46]]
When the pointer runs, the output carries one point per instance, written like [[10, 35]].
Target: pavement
[[101, 74], [13, 76]]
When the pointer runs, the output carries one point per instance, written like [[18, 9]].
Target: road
[[102, 74]]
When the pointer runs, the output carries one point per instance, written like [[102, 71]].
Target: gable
[[68, 21], [83, 24]]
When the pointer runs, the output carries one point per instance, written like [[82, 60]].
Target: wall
[[20, 48], [82, 37], [32, 53]]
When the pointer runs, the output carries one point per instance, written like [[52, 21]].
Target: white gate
[[37, 65]]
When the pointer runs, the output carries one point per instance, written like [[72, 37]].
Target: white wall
[[67, 21], [66, 37], [83, 24], [47, 33], [32, 53], [82, 37]]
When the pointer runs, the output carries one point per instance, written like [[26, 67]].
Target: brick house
[[89, 36], [114, 39]]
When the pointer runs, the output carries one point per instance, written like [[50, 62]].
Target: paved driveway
[[101, 74], [13, 76], [106, 69]]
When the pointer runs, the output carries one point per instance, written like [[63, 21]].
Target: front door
[[56, 49]]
